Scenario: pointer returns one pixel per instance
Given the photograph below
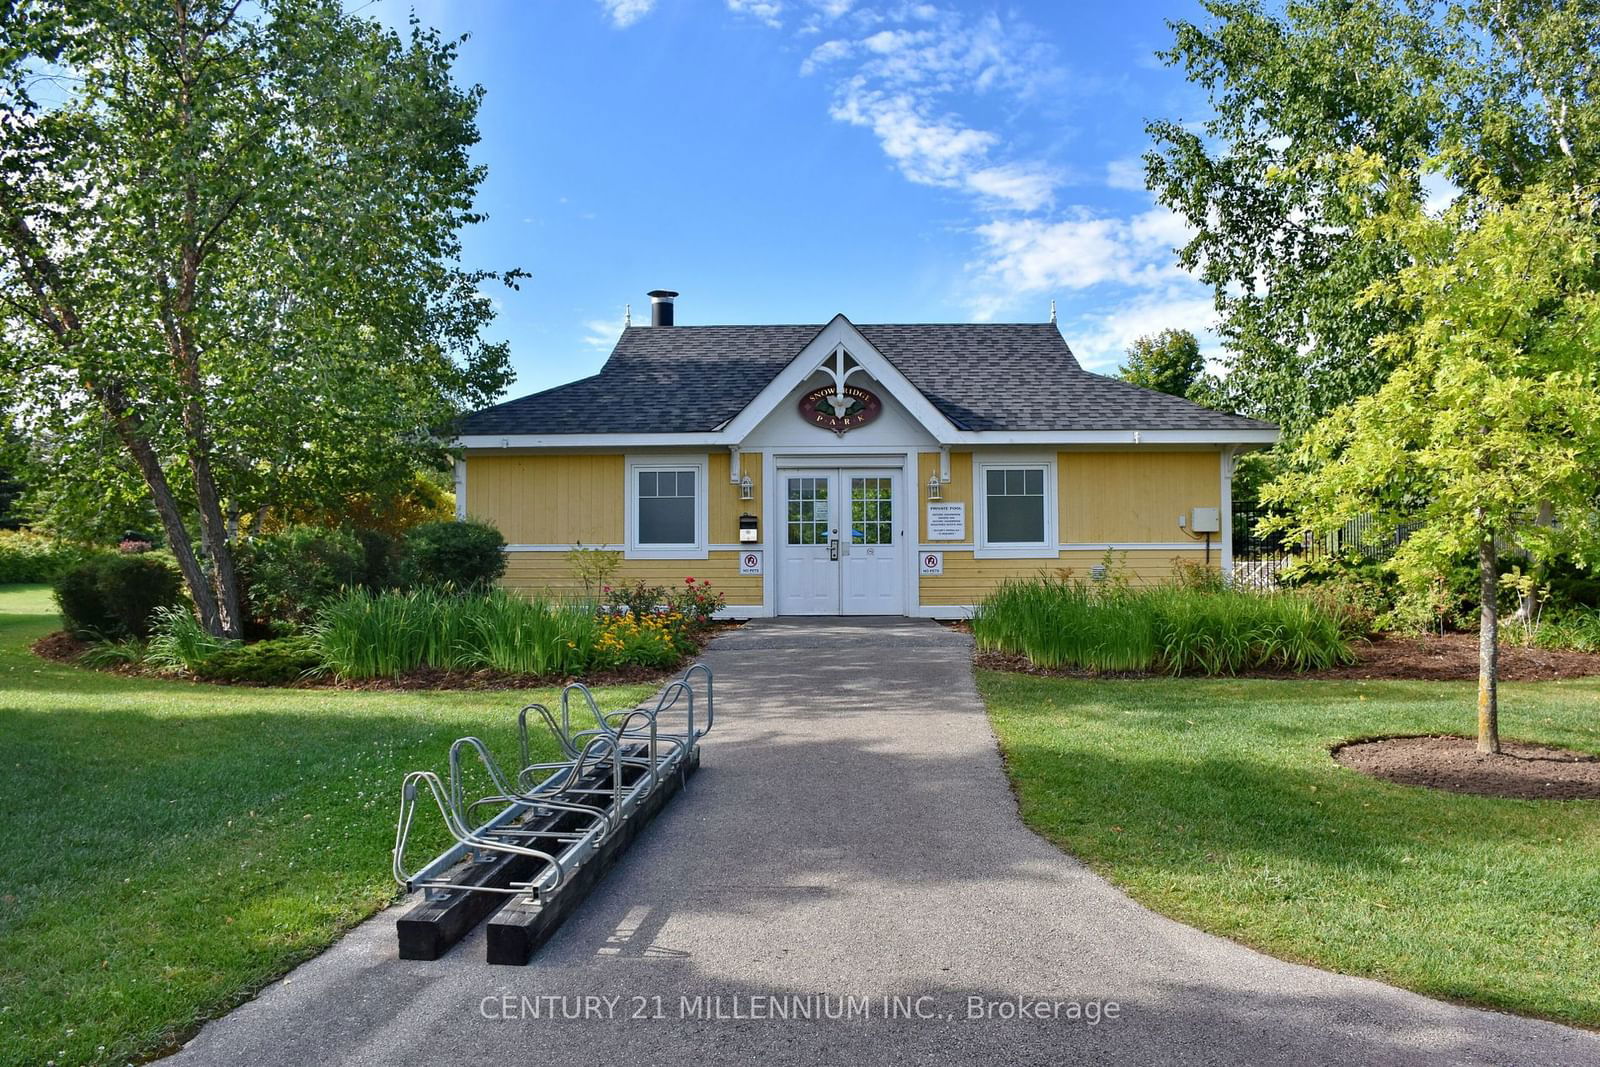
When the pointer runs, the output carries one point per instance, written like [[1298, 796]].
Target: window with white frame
[[1017, 508], [666, 509]]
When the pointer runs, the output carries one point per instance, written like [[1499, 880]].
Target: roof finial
[[627, 315], [1052, 312]]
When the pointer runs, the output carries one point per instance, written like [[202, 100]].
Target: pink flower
[[689, 580]]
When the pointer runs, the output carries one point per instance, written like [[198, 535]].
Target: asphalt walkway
[[850, 850]]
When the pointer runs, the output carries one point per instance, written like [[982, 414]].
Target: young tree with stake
[[1485, 439]]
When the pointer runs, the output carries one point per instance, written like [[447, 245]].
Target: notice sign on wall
[[947, 522], [932, 563], [750, 562]]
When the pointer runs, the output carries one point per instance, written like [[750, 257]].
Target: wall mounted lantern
[[747, 488], [935, 491]]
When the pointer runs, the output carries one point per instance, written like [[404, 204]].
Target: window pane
[[686, 483], [666, 520], [1033, 482], [1016, 519], [1014, 483], [997, 482], [647, 483]]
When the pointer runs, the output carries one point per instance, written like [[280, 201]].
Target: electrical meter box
[[1205, 520]]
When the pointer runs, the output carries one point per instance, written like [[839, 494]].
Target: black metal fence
[[1258, 558]]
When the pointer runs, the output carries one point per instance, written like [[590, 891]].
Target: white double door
[[840, 533]]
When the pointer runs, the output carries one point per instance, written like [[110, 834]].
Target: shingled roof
[[981, 376]]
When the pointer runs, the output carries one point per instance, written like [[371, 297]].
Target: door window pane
[[871, 511], [666, 510], [808, 511], [1014, 506]]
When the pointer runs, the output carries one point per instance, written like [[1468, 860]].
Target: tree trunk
[[155, 479], [1488, 650]]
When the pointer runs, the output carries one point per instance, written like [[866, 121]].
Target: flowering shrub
[[637, 599], [650, 639], [697, 603]]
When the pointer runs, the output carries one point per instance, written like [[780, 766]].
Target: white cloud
[[1100, 340], [900, 75], [602, 334], [1126, 173], [765, 11], [912, 74], [1026, 255], [1024, 186], [624, 13]]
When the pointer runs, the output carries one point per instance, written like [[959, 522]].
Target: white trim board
[[492, 443], [1098, 546]]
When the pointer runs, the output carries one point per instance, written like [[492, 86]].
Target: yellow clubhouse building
[[844, 469]]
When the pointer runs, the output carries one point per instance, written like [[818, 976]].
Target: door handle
[[833, 549]]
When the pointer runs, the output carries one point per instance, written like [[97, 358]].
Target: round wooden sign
[[862, 406]]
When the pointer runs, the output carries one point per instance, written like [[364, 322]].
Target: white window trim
[[702, 494], [1045, 549]]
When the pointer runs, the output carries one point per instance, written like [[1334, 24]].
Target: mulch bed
[[434, 678], [1532, 772], [1453, 657], [60, 646]]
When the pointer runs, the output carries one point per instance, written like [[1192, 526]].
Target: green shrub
[[1175, 629], [380, 559], [697, 603], [279, 661], [179, 643], [115, 595], [31, 557], [288, 574], [383, 635], [461, 555], [1577, 630], [637, 599]]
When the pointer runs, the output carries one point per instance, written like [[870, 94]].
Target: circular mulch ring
[[1530, 772]]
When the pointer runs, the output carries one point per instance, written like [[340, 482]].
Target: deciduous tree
[[1503, 92], [1168, 362], [1485, 439], [229, 238]]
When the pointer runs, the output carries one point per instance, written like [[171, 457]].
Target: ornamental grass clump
[[1174, 629], [362, 634]]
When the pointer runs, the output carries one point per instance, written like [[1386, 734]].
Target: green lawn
[[1216, 803], [167, 848]]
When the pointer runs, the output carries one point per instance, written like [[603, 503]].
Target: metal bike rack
[[552, 828]]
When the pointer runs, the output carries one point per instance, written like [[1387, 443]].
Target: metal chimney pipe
[[661, 306]]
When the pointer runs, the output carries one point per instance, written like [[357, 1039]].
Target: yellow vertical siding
[[958, 490], [1133, 496], [725, 505], [549, 500]]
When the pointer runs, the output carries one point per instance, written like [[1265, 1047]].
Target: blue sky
[[784, 160]]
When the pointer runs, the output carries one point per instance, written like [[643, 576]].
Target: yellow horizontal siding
[[551, 573], [1133, 496], [549, 500], [967, 580]]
